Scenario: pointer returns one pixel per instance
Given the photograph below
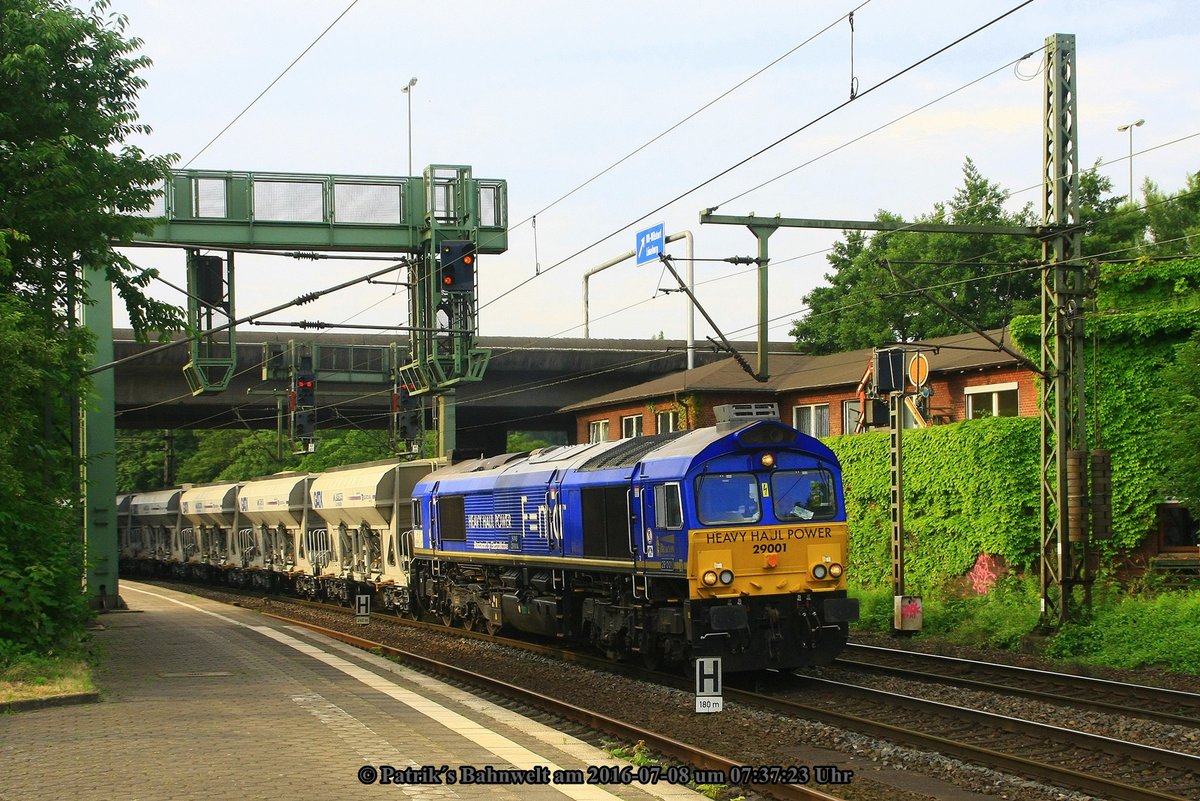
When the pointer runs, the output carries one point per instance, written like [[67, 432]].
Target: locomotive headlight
[[727, 576], [709, 578], [768, 460], [836, 570], [819, 571]]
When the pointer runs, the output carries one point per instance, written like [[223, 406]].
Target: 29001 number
[[770, 547]]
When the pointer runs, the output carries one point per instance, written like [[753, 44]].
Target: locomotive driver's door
[[661, 526]]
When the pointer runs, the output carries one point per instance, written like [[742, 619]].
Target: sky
[[546, 95]]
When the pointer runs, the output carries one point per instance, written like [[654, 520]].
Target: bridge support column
[[98, 446]]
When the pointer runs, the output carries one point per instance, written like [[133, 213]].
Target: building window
[[812, 420], [851, 412], [992, 400], [666, 422], [631, 426], [598, 431]]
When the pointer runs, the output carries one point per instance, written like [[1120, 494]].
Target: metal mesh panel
[[366, 203], [488, 206], [158, 207], [289, 201], [210, 197]]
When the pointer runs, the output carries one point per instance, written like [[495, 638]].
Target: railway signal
[[306, 390], [457, 269]]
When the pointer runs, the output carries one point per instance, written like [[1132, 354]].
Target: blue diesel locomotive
[[728, 541]]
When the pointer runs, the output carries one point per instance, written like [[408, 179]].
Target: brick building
[[968, 377]]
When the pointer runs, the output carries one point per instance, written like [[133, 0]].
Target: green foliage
[[72, 186], [1138, 384], [231, 455], [970, 488], [41, 608], [1179, 430], [1133, 632], [998, 619], [347, 447], [1174, 220], [1111, 228], [854, 311], [521, 441]]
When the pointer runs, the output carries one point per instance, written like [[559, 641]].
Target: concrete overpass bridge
[[526, 383]]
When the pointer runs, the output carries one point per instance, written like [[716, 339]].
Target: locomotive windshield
[[727, 498], [803, 495]]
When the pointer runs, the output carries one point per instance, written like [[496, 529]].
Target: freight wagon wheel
[[491, 628]]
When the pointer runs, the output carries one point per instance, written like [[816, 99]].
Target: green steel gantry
[[259, 211]]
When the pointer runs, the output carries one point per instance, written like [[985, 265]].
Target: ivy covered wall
[[973, 487], [969, 488]]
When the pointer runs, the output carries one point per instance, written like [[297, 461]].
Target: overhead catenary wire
[[302, 299], [278, 77], [764, 149], [532, 218]]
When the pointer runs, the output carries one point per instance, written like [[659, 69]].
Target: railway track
[[1105, 767], [1153, 703], [1102, 766]]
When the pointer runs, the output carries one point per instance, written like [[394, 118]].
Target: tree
[[70, 187], [982, 276], [1174, 220], [1113, 229]]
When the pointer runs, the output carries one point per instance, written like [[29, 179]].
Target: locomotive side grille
[[630, 452]]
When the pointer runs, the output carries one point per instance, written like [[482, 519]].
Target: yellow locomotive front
[[768, 552]]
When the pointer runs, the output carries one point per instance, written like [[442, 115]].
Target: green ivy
[[974, 487], [969, 488]]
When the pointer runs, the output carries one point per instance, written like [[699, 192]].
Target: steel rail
[[1098, 688], [1012, 763]]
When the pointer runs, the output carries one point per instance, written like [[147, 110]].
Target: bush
[[1132, 632]]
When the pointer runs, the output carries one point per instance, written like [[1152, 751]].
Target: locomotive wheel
[[491, 628]]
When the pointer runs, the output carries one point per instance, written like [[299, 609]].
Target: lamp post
[[407, 90], [1130, 128]]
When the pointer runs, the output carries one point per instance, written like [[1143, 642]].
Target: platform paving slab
[[200, 700]]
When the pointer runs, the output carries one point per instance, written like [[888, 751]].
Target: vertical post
[[407, 90], [99, 455], [1064, 287], [896, 463], [447, 424], [762, 233]]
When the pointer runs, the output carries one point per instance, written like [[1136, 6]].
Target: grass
[[29, 678], [1154, 630], [640, 754]]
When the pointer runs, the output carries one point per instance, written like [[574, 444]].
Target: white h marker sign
[[708, 684]]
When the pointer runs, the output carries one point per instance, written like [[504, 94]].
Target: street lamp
[[408, 91], [1123, 129]]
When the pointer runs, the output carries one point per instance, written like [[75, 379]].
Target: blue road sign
[[650, 243]]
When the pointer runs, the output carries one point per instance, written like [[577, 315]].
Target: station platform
[[200, 700]]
